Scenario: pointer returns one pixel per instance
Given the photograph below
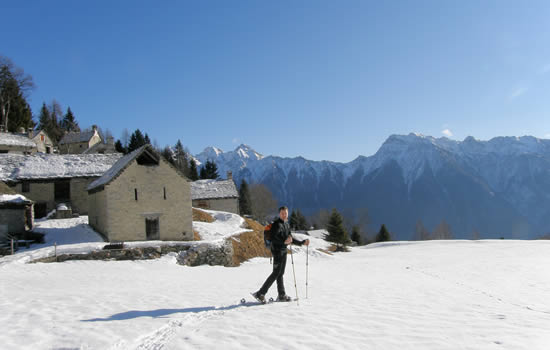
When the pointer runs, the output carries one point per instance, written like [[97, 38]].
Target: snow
[[13, 198], [226, 225], [398, 295], [8, 139], [15, 167]]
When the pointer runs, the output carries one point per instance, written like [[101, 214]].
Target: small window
[[135, 193], [42, 138], [164, 192], [25, 186]]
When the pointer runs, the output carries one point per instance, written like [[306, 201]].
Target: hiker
[[280, 238]]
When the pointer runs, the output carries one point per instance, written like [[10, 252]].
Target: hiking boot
[[284, 298], [260, 297]]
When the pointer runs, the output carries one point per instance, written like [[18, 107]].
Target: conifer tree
[[69, 122], [146, 139], [383, 235], [356, 235], [180, 158], [245, 202], [336, 232], [119, 147], [193, 173], [44, 118], [209, 170], [136, 141], [293, 220]]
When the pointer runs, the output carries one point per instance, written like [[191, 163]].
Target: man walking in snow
[[280, 238]]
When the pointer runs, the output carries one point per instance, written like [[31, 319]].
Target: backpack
[[267, 236]]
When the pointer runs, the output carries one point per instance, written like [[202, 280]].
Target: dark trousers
[[279, 264]]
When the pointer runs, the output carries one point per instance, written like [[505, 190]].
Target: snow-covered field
[[422, 295]]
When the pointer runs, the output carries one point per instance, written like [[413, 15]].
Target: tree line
[[16, 113]]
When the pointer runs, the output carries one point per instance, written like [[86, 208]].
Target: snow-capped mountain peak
[[245, 151]]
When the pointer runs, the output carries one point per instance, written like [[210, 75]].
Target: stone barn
[[78, 142], [50, 179], [16, 213], [219, 195], [142, 197]]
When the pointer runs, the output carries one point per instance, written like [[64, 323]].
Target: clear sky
[[327, 80]]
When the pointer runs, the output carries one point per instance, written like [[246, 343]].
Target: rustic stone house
[[142, 197], [44, 143], [15, 143], [16, 213], [219, 195], [49, 179], [78, 142]]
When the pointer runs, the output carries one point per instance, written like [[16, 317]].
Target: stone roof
[[9, 139], [213, 189], [15, 167], [77, 137], [145, 151]]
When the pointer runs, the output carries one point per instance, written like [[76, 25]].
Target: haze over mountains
[[499, 188]]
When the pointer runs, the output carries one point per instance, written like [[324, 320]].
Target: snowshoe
[[259, 297], [284, 298]]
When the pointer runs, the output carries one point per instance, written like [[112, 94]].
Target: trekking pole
[[307, 266], [294, 274]]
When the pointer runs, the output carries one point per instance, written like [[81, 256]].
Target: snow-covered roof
[[210, 189], [15, 167], [77, 137], [123, 163], [13, 199], [8, 139]]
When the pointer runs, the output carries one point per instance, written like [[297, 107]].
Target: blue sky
[[326, 80]]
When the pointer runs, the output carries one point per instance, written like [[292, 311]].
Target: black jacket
[[280, 231]]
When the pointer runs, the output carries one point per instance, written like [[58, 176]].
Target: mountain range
[[497, 188]]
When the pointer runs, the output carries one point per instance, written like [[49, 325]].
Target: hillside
[[421, 295]]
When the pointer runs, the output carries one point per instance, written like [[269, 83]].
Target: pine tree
[[180, 158], [193, 174], [356, 235], [146, 139], [336, 232], [293, 220], [20, 115], [383, 235], [69, 122], [44, 118], [136, 141], [209, 170], [245, 202], [119, 147]]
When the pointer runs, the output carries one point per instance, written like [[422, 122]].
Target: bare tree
[[263, 203], [420, 232], [321, 219], [443, 231], [13, 81], [125, 138]]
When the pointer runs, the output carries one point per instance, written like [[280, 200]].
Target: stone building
[[15, 143], [49, 179], [221, 195], [142, 197], [44, 143], [78, 142], [16, 213]]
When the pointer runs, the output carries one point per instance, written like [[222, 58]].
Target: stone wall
[[14, 219], [230, 205], [189, 254]]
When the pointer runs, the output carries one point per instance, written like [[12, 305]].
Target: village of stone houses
[[137, 197]]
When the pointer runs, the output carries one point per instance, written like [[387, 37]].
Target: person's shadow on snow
[[166, 312]]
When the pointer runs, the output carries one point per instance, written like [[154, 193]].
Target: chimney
[[110, 140], [29, 131], [229, 175]]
